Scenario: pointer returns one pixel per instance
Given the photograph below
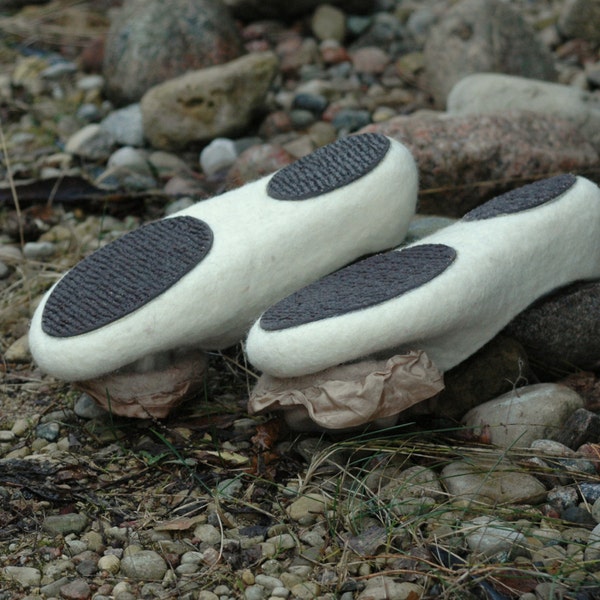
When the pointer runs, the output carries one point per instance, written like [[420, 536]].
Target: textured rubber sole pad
[[523, 198], [124, 275], [384, 277], [329, 168], [361, 285]]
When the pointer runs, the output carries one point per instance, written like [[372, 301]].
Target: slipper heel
[[199, 278], [447, 294]]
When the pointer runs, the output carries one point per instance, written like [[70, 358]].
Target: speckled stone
[[65, 524], [475, 36], [491, 483], [562, 331], [518, 417], [150, 41], [496, 149], [144, 565]]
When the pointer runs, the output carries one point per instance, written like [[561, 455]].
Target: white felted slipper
[[201, 277], [447, 294]]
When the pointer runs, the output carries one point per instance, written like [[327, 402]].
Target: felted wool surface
[[201, 277], [349, 396], [447, 294]]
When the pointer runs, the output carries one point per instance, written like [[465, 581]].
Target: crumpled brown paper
[[148, 394], [352, 395]]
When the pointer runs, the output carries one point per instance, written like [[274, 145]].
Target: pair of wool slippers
[[269, 260]]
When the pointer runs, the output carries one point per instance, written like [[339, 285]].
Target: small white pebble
[[39, 250], [219, 154]]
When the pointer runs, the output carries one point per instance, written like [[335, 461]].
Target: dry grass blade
[[11, 182]]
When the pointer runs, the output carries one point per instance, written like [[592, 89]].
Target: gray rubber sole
[[387, 276], [123, 276], [365, 283]]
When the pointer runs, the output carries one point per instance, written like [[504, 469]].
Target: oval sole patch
[[329, 168], [125, 275], [523, 198], [361, 285]]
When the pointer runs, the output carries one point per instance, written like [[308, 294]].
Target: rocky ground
[[209, 503]]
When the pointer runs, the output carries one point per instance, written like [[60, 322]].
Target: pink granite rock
[[466, 160]]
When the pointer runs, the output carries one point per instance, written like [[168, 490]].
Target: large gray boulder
[[150, 41], [477, 36]]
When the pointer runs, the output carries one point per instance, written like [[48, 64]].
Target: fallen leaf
[[181, 524], [267, 434]]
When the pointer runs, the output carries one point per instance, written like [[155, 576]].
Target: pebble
[[308, 505], [24, 576], [86, 407], [255, 592], [23, 425], [48, 431], [193, 107], [87, 83], [268, 582], [491, 483], [110, 563], [131, 159], [563, 497], [301, 119], [4, 270], [125, 126], [65, 524], [349, 119], [6, 436], [52, 589], [76, 590], [590, 491], [39, 250], [144, 565], [329, 23], [91, 142], [219, 155], [207, 533], [18, 351], [388, 588], [579, 515], [488, 537], [10, 254], [517, 418], [370, 60], [314, 103], [167, 164], [307, 590], [178, 205], [89, 113], [256, 162]]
